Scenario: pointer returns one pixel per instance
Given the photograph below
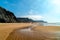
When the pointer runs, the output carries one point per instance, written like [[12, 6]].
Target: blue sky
[[48, 10]]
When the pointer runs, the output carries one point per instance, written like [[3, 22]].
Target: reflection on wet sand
[[31, 34]]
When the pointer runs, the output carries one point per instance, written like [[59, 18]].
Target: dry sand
[[7, 28]]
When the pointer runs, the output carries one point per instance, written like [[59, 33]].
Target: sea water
[[51, 24]]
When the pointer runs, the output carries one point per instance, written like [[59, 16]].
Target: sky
[[47, 10]]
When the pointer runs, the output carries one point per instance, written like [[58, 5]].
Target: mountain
[[24, 20], [7, 16], [41, 21]]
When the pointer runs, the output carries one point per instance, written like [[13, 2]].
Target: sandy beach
[[24, 31]]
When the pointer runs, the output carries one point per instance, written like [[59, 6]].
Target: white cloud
[[34, 17], [53, 15], [56, 2], [56, 7], [32, 14]]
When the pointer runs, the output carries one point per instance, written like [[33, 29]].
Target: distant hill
[[41, 21], [24, 20]]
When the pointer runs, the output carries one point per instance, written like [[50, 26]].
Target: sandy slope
[[7, 28]]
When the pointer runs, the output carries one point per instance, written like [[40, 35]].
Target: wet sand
[[36, 33]]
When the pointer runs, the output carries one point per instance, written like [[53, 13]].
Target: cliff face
[[7, 16]]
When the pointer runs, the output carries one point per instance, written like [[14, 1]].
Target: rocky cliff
[[7, 16]]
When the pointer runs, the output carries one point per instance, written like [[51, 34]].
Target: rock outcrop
[[7, 16]]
